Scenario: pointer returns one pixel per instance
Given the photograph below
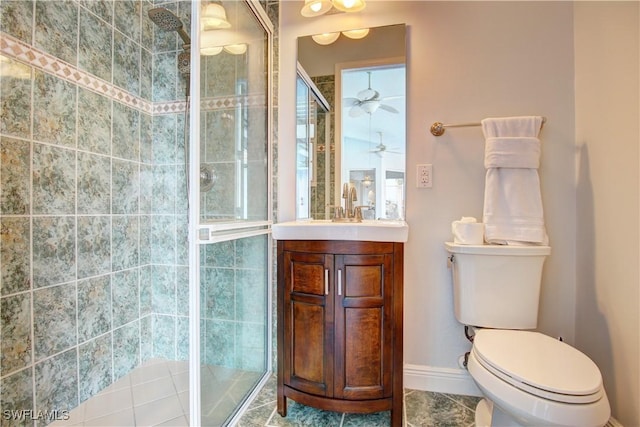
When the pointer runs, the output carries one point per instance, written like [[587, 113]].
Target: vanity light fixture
[[328, 38], [214, 17], [325, 38], [349, 5], [360, 33], [209, 45], [210, 51], [314, 8], [235, 49]]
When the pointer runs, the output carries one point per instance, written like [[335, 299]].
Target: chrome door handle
[[326, 281]]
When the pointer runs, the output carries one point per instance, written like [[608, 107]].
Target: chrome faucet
[[350, 213]]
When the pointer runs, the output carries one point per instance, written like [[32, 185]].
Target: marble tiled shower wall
[[324, 190], [93, 212]]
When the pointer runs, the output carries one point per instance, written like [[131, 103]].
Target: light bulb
[[210, 51], [209, 44], [349, 5], [356, 34], [313, 8], [326, 38], [236, 49], [214, 17]]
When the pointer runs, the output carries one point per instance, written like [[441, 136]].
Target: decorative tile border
[[169, 107], [34, 57], [220, 103], [20, 51]]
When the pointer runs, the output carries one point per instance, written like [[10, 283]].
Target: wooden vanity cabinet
[[340, 326]]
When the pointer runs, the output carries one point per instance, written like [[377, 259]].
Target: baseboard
[[439, 380]]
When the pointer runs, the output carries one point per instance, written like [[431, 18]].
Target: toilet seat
[[539, 365]]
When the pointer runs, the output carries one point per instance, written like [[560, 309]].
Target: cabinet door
[[364, 326], [308, 322]]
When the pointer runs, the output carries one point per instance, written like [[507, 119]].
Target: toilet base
[[490, 415]]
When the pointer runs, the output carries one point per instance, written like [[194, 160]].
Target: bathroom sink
[[367, 230]]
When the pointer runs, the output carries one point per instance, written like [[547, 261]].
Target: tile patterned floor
[[157, 394], [421, 409]]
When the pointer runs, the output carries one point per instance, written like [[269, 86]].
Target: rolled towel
[[512, 126], [467, 231], [513, 211], [512, 152]]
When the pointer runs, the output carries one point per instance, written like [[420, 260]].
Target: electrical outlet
[[424, 175]]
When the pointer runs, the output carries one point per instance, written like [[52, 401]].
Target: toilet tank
[[497, 286]]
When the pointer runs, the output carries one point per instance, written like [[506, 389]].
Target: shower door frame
[[220, 231]]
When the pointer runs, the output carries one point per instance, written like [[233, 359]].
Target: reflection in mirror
[[364, 130], [311, 138]]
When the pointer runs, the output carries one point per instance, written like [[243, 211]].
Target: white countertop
[[367, 230]]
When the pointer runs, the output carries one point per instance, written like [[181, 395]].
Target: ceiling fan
[[380, 149], [368, 101]]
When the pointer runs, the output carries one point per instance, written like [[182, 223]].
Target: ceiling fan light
[[356, 111], [313, 8], [325, 38], [360, 33], [370, 107], [349, 5], [214, 17]]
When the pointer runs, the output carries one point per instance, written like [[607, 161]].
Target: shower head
[[166, 20]]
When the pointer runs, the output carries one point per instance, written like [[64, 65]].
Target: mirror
[[359, 138]]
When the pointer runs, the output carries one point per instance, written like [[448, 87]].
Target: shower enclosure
[[229, 198], [230, 213]]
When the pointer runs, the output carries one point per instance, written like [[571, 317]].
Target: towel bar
[[438, 128]]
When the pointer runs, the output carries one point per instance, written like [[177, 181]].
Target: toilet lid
[[539, 364]]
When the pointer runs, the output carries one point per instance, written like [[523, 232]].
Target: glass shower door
[[234, 327], [233, 253]]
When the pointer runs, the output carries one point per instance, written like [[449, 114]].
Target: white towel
[[512, 152], [513, 211]]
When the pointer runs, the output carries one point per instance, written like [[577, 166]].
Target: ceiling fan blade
[[350, 102], [388, 108], [356, 111]]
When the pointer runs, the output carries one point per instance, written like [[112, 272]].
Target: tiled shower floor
[[157, 394]]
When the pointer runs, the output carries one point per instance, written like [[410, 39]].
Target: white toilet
[[527, 378]]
